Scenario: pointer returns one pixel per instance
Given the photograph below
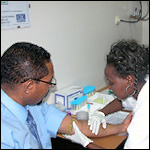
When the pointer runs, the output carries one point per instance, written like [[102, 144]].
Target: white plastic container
[[64, 96]]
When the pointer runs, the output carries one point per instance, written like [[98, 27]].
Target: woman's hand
[[127, 121]]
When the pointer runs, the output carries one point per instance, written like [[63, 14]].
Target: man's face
[[41, 89]]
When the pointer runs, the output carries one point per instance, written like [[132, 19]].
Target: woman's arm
[[113, 106]]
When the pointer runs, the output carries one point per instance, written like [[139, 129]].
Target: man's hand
[[78, 137], [95, 120]]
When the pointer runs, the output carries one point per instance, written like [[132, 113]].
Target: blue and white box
[[64, 96]]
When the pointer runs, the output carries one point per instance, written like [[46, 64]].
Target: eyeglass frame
[[50, 83]]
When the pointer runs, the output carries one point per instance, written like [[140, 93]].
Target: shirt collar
[[18, 110]]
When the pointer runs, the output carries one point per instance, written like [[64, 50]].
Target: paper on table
[[101, 98], [117, 117]]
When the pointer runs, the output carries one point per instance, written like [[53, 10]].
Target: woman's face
[[116, 83]]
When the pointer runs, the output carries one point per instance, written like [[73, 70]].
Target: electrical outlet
[[117, 20]]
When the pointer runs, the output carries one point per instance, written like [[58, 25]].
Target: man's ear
[[131, 79], [28, 86]]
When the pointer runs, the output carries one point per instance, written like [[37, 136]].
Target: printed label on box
[[72, 97], [59, 99]]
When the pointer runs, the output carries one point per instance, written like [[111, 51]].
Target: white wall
[[145, 26], [145, 33], [78, 35]]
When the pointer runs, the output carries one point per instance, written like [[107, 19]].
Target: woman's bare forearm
[[113, 106]]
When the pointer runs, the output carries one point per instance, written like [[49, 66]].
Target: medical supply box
[[64, 96]]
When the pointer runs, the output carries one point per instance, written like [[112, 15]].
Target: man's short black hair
[[23, 61]]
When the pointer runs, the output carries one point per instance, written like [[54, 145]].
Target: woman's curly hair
[[129, 58], [23, 61]]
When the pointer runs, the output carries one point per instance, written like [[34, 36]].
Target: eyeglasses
[[52, 82]]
